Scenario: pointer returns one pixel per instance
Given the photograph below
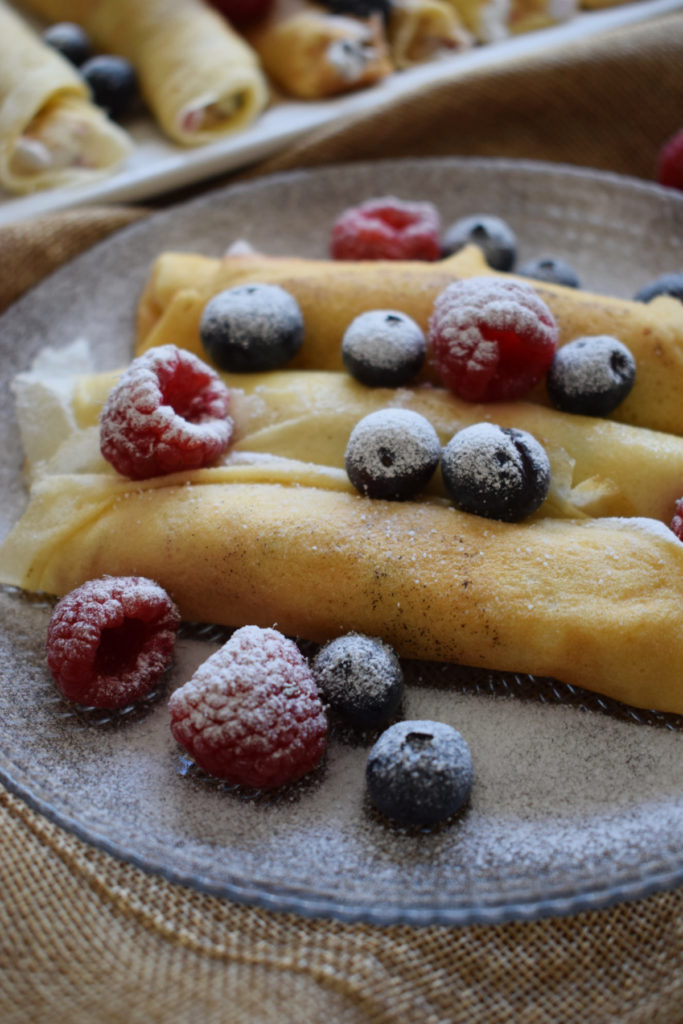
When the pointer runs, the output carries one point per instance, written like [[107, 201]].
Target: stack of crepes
[[588, 590]]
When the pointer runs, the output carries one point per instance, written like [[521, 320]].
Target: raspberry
[[493, 339], [251, 714], [168, 412], [669, 169], [109, 640], [677, 521], [387, 229]]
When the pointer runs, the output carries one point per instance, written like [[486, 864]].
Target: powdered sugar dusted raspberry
[[387, 228], [168, 412], [493, 339], [109, 640], [677, 521], [251, 714]]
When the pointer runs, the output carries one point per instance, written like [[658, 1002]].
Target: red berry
[[387, 229], [669, 170], [251, 714], [109, 640], [242, 12], [677, 521], [168, 412], [492, 338]]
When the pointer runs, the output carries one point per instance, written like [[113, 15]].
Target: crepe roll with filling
[[199, 77], [51, 134], [331, 293], [423, 30], [310, 52]]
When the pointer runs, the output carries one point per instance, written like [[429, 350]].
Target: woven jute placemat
[[86, 939]]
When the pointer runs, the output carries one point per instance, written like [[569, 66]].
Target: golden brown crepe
[[311, 53], [332, 293], [50, 132], [529, 15], [423, 30], [199, 77]]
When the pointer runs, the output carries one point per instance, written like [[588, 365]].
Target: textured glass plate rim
[[652, 876]]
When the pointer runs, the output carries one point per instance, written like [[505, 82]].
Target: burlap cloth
[[85, 939]]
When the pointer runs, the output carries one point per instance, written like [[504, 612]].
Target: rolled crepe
[[422, 30], [199, 77], [598, 468], [311, 53], [50, 132], [332, 293], [529, 15], [597, 603]]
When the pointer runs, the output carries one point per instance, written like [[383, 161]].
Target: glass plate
[[577, 802]]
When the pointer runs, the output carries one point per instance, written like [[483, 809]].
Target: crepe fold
[[331, 293], [50, 132], [199, 77]]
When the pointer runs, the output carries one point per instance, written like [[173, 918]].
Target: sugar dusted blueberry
[[552, 270], [666, 284], [383, 348], [497, 472], [493, 339], [419, 772], [392, 454], [491, 234], [387, 228], [591, 376], [252, 328], [361, 679]]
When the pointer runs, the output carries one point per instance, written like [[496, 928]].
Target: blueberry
[[591, 376], [496, 472], [494, 236], [419, 772], [361, 679], [383, 348], [252, 328], [551, 270], [70, 40], [666, 284], [392, 454], [113, 83]]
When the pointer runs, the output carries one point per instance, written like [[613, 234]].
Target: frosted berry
[[677, 521], [70, 40], [392, 454], [167, 413], [591, 375], [113, 83], [492, 235], [383, 348], [669, 168], [387, 228], [498, 472], [666, 284], [361, 679], [242, 13], [252, 328], [419, 772], [552, 270], [492, 338], [251, 714], [109, 641], [359, 8]]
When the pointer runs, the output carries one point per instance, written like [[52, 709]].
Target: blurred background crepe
[[89, 939], [51, 134], [199, 77]]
